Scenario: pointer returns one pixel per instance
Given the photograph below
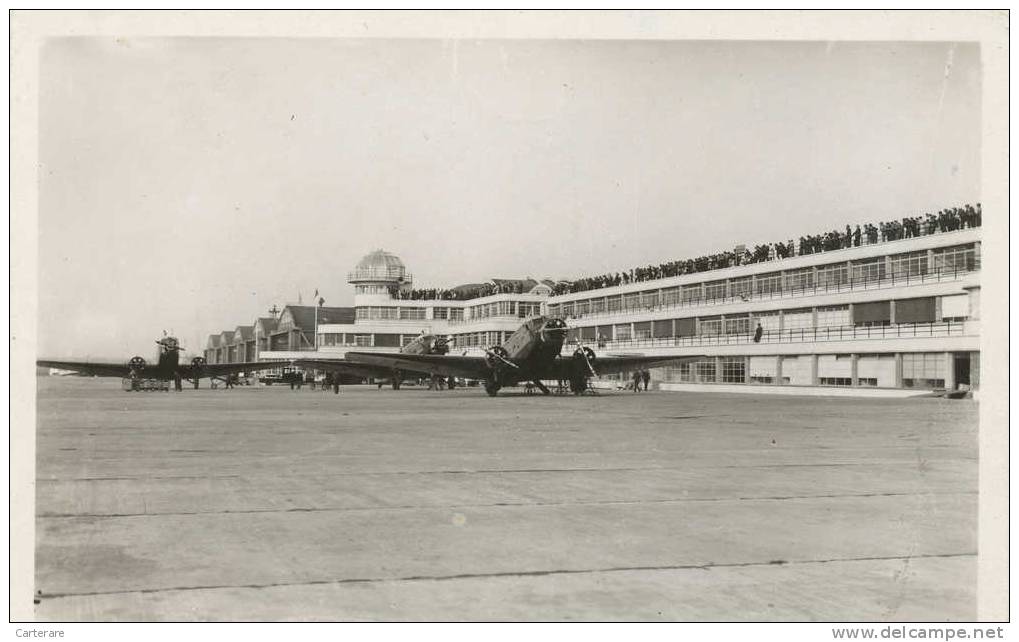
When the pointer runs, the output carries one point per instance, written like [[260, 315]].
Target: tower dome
[[380, 268]]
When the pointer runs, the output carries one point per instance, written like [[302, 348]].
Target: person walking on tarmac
[[636, 380], [229, 381], [645, 376], [292, 377]]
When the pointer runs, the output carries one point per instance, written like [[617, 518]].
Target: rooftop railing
[[902, 278], [792, 335], [844, 241], [377, 274]]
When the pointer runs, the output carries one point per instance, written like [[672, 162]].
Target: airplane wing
[[219, 369], [604, 365], [345, 367], [96, 368], [441, 364]]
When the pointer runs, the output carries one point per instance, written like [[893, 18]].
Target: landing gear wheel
[[492, 388], [578, 385]]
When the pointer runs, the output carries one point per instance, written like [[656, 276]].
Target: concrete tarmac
[[271, 504]]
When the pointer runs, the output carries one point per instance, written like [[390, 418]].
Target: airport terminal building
[[900, 315]]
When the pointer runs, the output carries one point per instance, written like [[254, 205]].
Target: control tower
[[375, 275]]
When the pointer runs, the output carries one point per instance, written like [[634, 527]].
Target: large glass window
[[769, 283], [412, 314], [692, 293], [832, 276], [375, 313], [631, 301], [704, 370], [362, 340], [769, 321], [623, 332], [798, 319], [923, 370], [456, 314], [799, 279], [711, 326], [955, 259], [597, 305], [872, 270], [614, 303], [440, 313], [734, 370], [670, 296], [741, 287], [737, 325], [911, 264], [833, 315], [649, 299], [715, 290]]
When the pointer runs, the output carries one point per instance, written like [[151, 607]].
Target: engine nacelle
[[198, 363], [584, 353], [137, 364], [553, 330], [496, 356], [440, 345]]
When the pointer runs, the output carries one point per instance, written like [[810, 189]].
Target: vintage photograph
[[509, 329]]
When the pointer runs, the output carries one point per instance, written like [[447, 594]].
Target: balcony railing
[[850, 285], [376, 274], [793, 335], [494, 317]]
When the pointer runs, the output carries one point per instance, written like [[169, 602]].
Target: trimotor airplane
[[532, 353], [426, 344], [166, 368]]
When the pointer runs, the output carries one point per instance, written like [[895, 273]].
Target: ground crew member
[[636, 380], [290, 376], [646, 377]]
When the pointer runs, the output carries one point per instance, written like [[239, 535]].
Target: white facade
[[854, 317]]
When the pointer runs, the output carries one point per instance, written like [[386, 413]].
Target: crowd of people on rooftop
[[946, 220], [950, 219], [457, 294]]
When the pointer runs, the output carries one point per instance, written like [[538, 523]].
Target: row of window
[[959, 258], [919, 370], [480, 339], [453, 314], [389, 313], [520, 309], [326, 339]]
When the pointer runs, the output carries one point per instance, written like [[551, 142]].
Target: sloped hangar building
[[884, 316]]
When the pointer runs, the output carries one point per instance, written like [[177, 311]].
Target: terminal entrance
[[961, 369]]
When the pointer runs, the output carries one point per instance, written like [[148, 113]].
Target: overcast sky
[[190, 184]]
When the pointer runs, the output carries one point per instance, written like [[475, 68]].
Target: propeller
[[587, 354], [498, 354], [136, 364]]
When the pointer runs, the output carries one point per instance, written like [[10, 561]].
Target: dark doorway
[[961, 365]]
